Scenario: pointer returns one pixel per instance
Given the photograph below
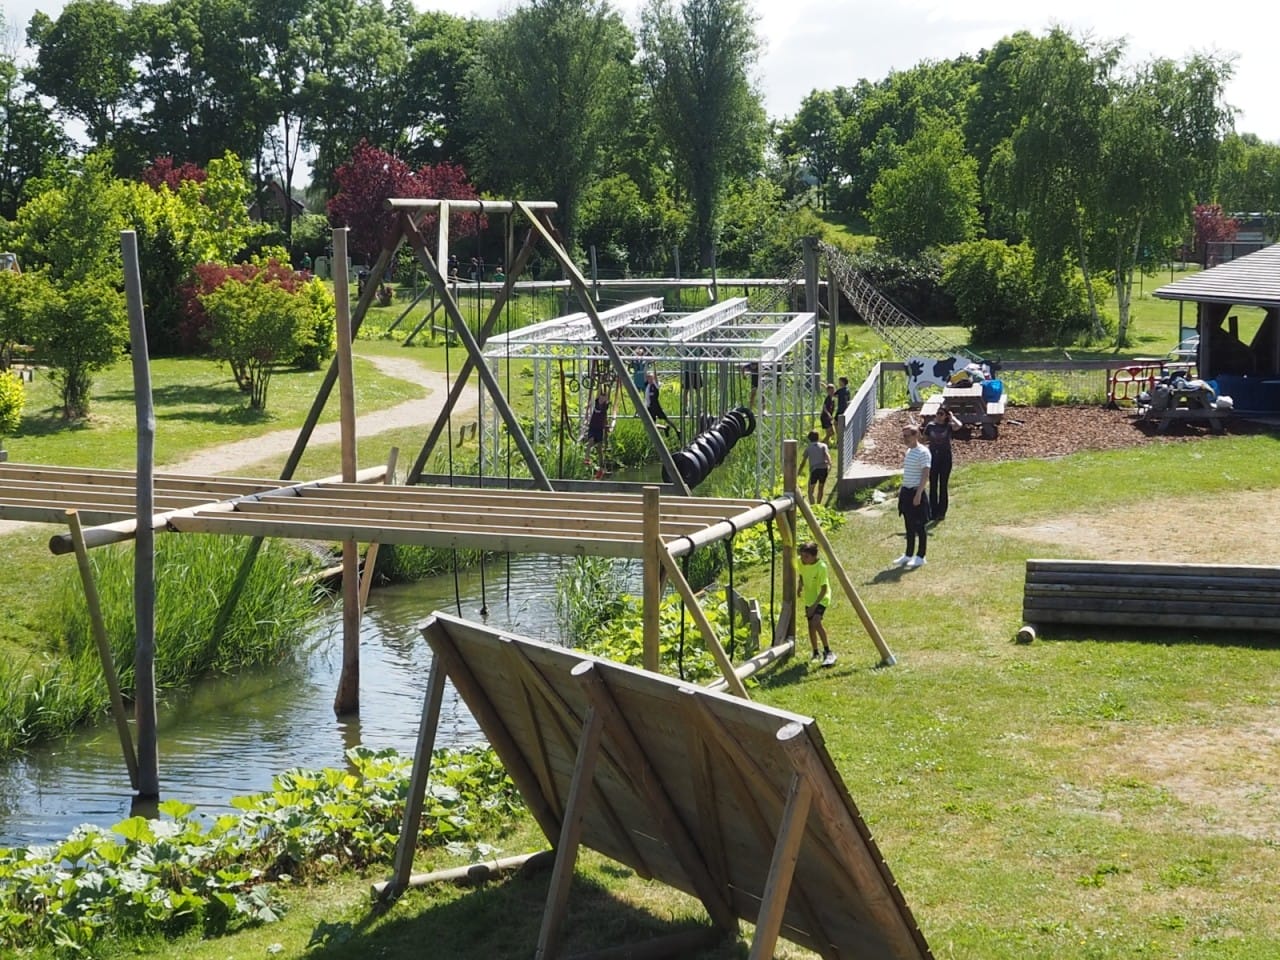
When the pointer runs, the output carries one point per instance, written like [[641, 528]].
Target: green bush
[[13, 397]]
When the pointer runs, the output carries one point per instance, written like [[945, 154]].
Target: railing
[[857, 418]]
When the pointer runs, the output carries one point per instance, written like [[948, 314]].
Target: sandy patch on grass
[[1228, 528]]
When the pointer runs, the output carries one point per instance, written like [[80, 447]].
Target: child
[[597, 427], [828, 416], [815, 592], [818, 455]]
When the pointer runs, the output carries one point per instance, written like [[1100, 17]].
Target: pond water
[[230, 736]]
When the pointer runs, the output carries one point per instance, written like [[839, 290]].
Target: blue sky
[[827, 43]]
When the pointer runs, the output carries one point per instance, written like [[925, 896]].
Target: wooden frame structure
[[738, 804]]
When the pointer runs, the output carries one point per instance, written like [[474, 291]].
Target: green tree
[[1050, 170], [256, 325], [81, 329], [931, 197], [29, 139], [1160, 139], [85, 65], [429, 111], [545, 97], [13, 397], [813, 135], [697, 63], [18, 310], [1249, 175]]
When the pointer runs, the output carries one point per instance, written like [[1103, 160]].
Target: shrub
[[12, 399]]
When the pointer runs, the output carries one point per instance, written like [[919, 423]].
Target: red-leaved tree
[[1212, 225], [194, 329], [373, 176], [162, 170]]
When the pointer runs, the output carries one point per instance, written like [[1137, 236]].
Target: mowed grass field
[[1090, 795]]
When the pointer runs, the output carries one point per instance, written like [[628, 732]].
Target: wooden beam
[[570, 835], [651, 552], [346, 699], [728, 527], [371, 552], [475, 873], [704, 625], [782, 868]]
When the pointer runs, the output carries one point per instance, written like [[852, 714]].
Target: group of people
[[926, 473], [817, 454]]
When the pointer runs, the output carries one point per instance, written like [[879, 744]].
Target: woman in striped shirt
[[913, 498]]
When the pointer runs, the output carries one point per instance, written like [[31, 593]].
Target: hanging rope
[[484, 594], [773, 580], [507, 234]]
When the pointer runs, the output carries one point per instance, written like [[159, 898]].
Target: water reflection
[[229, 737]]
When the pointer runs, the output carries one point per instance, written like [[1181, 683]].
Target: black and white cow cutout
[[926, 371]]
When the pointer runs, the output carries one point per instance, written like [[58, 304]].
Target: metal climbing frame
[[715, 356]]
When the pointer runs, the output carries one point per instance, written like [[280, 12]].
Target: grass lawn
[[1097, 795]]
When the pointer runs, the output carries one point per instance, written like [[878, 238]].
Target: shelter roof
[[1252, 280]]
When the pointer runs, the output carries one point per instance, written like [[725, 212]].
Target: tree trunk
[[1126, 257], [1097, 331]]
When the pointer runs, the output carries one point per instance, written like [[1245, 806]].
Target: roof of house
[[1252, 280]]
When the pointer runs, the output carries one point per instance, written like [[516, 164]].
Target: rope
[[484, 592], [448, 377], [773, 580]]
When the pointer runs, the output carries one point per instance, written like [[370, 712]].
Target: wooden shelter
[[736, 803], [1248, 372]]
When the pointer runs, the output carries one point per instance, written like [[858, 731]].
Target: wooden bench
[[1123, 594]]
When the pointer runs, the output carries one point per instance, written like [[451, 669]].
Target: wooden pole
[[790, 470], [144, 561], [371, 554], [886, 658], [762, 660], [104, 646], [833, 311], [652, 578], [732, 681], [402, 863], [347, 699], [526, 863], [777, 886]]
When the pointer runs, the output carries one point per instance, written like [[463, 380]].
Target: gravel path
[[274, 447], [266, 454]]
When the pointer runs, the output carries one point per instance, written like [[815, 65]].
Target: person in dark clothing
[[653, 403], [828, 416], [937, 433], [842, 397], [597, 430]]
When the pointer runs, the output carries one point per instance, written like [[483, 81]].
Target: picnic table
[[971, 408], [1185, 404]]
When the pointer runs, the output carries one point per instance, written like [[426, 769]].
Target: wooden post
[[144, 561], [732, 680], [886, 658], [652, 578], [402, 864], [104, 646], [833, 311], [790, 470], [584, 770], [371, 553], [786, 851], [347, 698]]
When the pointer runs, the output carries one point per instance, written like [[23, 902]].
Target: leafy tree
[[931, 197], [630, 231], [81, 329], [1212, 225], [164, 170], [813, 135], [540, 123], [85, 64], [1249, 175], [357, 57], [1050, 167], [29, 139], [429, 110], [998, 296], [372, 176], [255, 325], [881, 117], [18, 310], [1160, 140], [697, 63]]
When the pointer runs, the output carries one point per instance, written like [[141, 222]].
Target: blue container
[[992, 390]]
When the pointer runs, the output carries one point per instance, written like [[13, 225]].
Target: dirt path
[[266, 453], [275, 446]]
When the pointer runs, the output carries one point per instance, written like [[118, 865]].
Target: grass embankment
[[1095, 795]]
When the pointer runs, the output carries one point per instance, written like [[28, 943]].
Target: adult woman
[[913, 503], [937, 432]]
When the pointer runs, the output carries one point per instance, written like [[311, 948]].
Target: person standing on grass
[[828, 416], [913, 501], [814, 587], [818, 455], [937, 432]]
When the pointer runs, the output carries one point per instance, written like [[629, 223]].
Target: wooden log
[[760, 662]]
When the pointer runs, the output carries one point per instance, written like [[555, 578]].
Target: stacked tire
[[706, 451]]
